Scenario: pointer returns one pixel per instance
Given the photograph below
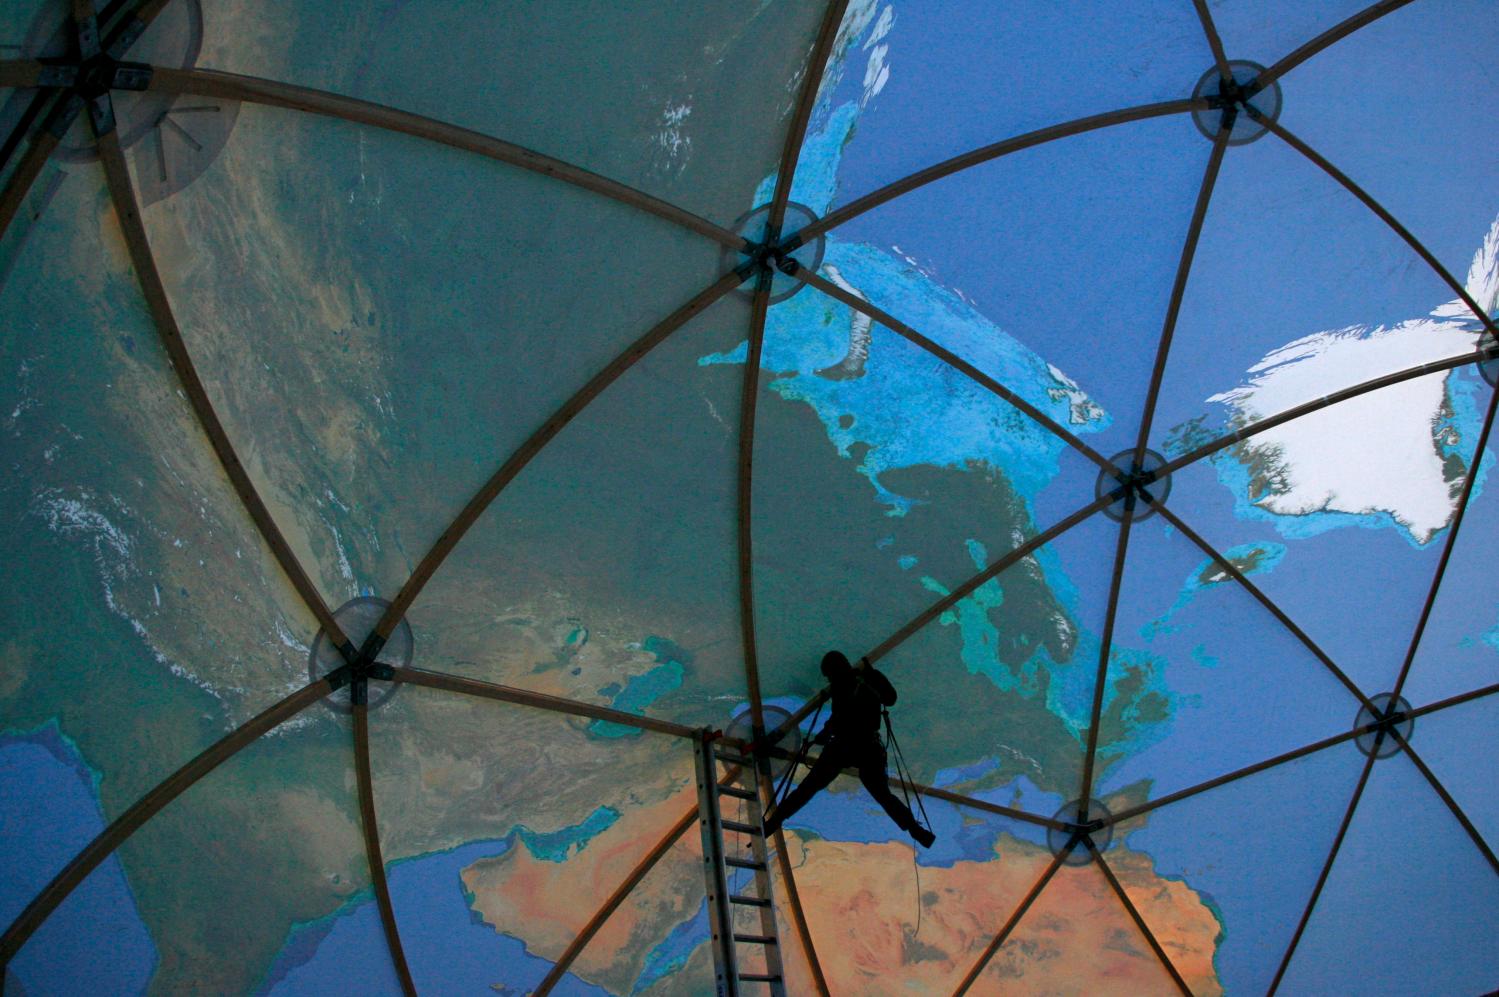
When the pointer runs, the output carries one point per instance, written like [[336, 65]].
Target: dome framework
[[68, 91]]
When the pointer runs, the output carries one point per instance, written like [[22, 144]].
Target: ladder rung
[[745, 864], [734, 825], [739, 898], [736, 792], [757, 939], [735, 759], [758, 978]]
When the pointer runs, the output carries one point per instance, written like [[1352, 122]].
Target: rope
[[801, 756], [904, 773]]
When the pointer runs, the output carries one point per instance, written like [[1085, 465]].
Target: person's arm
[[881, 684]]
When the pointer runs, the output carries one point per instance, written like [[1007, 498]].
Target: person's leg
[[872, 775], [824, 771]]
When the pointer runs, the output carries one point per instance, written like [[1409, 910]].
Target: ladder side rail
[[720, 914], [763, 787]]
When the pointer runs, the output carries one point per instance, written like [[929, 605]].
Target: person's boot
[[923, 835]]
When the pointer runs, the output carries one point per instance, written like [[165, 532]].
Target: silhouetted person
[[852, 739]]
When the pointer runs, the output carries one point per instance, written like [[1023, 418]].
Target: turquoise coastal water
[[641, 691]]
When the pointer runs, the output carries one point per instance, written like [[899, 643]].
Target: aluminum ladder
[[736, 863]]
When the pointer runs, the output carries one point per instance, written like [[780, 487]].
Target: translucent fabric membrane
[[935, 910], [622, 592], [657, 941], [861, 524], [269, 842], [1230, 678], [1446, 747], [1275, 314], [1077, 937], [381, 390], [1266, 33], [1255, 874], [1459, 643], [470, 289], [1395, 78], [481, 851], [677, 100], [996, 691], [140, 587], [1080, 243], [976, 79], [1402, 843], [1364, 627]]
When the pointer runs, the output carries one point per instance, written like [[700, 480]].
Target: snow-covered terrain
[[1382, 452]]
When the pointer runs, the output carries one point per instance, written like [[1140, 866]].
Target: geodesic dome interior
[[423, 420]]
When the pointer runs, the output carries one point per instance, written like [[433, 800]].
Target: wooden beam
[[123, 826], [253, 89], [543, 435], [523, 697], [373, 853], [122, 193]]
